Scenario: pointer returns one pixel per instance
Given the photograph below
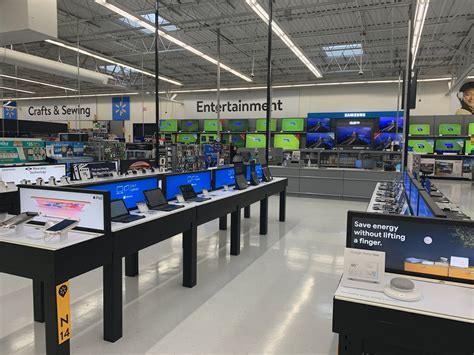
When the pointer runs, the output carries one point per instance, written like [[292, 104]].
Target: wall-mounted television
[[449, 146], [292, 124], [286, 141], [187, 138], [383, 140], [449, 129], [424, 146], [168, 125], [207, 137], [420, 129], [468, 147], [189, 125], [238, 140], [211, 125], [255, 140], [354, 135], [318, 125], [390, 124], [470, 129], [239, 125], [261, 125], [320, 140]]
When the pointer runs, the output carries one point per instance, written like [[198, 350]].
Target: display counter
[[332, 182]]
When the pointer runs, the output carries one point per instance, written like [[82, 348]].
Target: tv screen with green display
[[189, 125], [254, 140], [425, 146], [287, 141], [169, 125], [292, 124], [211, 125], [420, 129], [470, 129], [238, 125], [468, 147], [261, 125], [238, 140], [187, 138], [449, 146], [449, 129]]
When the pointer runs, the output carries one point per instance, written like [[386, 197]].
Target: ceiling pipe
[[12, 57]]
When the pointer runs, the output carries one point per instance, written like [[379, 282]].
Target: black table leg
[[247, 211], [264, 216], [131, 265], [53, 337], [283, 205], [235, 232], [350, 345], [190, 257], [113, 300], [223, 223], [38, 301]]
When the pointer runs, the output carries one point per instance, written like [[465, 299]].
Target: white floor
[[275, 297]]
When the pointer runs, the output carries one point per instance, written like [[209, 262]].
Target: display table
[[50, 263], [130, 238], [442, 322]]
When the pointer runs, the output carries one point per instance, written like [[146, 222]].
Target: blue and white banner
[[10, 110], [121, 108]]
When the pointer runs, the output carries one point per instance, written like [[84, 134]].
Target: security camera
[[252, 75], [361, 72]]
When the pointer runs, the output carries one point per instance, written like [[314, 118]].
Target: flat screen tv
[[352, 135], [255, 140], [189, 125], [187, 138], [449, 129], [389, 124], [287, 141], [211, 125], [318, 125], [383, 140], [238, 140], [420, 129], [424, 146], [261, 125], [468, 147], [470, 129], [207, 137], [168, 125], [449, 146], [292, 124], [240, 125], [320, 140]]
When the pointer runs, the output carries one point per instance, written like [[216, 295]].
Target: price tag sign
[[63, 312]]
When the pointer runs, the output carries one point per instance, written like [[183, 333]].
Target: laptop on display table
[[156, 201], [120, 213], [190, 195]]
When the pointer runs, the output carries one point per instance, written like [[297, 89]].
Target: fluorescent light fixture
[[36, 82], [70, 96], [419, 22], [170, 38], [93, 55], [260, 11], [286, 86], [12, 89]]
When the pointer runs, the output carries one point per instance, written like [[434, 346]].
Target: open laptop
[[156, 201], [120, 213], [190, 195]]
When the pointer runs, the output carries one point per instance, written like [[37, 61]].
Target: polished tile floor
[[275, 297]]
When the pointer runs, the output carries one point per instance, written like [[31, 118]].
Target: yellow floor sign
[[63, 312]]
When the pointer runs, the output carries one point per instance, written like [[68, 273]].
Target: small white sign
[[364, 269]]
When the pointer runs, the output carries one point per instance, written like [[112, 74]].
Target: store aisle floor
[[275, 297]]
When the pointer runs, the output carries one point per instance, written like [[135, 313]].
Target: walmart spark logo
[[121, 108], [10, 111]]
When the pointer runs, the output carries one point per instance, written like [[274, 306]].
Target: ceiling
[[378, 26]]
